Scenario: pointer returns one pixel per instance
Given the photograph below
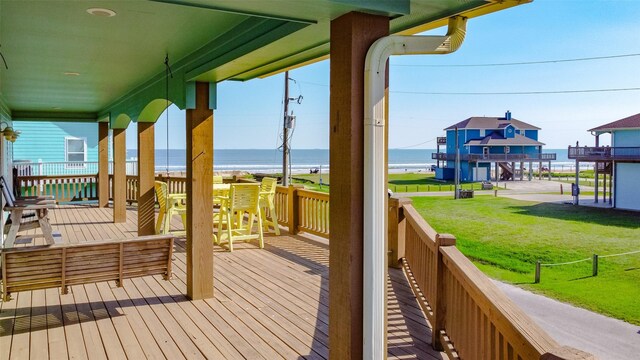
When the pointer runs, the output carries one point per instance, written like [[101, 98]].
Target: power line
[[517, 92], [410, 146], [522, 62]]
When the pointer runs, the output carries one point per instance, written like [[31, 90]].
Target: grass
[[506, 237], [409, 182]]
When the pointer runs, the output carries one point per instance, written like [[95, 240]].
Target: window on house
[[75, 151]]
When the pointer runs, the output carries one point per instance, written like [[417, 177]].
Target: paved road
[[602, 336]]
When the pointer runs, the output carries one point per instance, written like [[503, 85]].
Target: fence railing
[[495, 157], [63, 187], [67, 168], [471, 318], [604, 153], [313, 212]]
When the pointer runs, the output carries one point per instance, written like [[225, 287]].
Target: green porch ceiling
[[119, 59]]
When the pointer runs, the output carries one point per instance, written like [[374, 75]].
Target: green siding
[[45, 140]]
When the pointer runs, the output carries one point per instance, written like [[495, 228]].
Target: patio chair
[[243, 198], [267, 202], [170, 204]]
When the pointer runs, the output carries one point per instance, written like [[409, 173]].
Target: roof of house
[[495, 139], [482, 122], [631, 122]]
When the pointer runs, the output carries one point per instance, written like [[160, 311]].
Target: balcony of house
[[495, 157], [604, 153], [268, 303]]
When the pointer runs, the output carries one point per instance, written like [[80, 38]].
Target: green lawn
[[404, 182], [505, 237]]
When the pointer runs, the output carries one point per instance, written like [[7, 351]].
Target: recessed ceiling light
[[71, 73], [101, 12]]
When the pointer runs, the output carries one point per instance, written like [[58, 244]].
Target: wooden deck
[[268, 304]]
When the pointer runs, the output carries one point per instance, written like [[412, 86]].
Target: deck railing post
[[293, 208], [440, 306], [397, 227]]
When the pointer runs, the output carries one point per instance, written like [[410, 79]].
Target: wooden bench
[[62, 265]]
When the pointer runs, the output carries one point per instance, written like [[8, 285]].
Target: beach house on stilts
[[491, 147], [618, 164]]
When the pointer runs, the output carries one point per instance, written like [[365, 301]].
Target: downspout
[[375, 189]]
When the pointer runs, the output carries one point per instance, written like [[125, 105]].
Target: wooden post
[[293, 208], [440, 306], [119, 176], [536, 280], [351, 36], [594, 267], [199, 124], [396, 231], [146, 179], [103, 164]]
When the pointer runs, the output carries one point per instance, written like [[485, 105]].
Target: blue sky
[[249, 114]]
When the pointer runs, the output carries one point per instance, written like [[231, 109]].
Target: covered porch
[[298, 298], [270, 304]]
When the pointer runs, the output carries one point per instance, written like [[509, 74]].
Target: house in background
[[620, 162], [486, 142], [63, 147]]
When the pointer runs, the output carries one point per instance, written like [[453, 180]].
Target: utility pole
[[456, 195], [285, 132]]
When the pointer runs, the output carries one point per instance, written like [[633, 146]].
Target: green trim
[[237, 12], [5, 112], [190, 95], [122, 121], [239, 41], [54, 116], [153, 110], [289, 61], [213, 96], [393, 7], [245, 41]]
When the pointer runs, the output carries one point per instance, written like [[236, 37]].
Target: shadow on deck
[[270, 303]]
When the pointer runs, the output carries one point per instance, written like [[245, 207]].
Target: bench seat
[[61, 265]]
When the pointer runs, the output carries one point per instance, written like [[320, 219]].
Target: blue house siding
[[531, 134], [626, 138], [50, 138]]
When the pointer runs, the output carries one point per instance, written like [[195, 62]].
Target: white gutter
[[375, 189]]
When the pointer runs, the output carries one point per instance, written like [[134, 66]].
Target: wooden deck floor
[[268, 304]]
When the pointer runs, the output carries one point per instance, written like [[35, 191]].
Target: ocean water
[[265, 160]]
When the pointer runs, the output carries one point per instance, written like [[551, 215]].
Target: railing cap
[[567, 353]]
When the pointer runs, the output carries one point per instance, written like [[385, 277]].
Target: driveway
[[605, 337]]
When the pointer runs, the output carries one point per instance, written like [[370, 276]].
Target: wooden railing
[[313, 212], [470, 317], [496, 157], [63, 187], [604, 153], [297, 208], [57, 168]]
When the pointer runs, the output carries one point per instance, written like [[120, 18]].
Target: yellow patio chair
[[243, 198], [267, 202], [170, 204], [217, 179]]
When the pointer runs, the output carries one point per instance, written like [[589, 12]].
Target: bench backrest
[[61, 265]]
